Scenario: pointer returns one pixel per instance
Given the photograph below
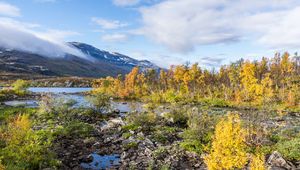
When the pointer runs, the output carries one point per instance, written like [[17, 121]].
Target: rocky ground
[[138, 150]]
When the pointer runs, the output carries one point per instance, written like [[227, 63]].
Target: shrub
[[178, 115], [20, 87], [58, 108], [146, 120], [228, 147], [192, 146], [290, 149], [170, 96], [200, 127], [216, 102], [159, 136], [100, 101], [75, 128], [199, 132], [257, 162], [24, 148]]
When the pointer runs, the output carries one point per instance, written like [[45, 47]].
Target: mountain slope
[[112, 57], [102, 63]]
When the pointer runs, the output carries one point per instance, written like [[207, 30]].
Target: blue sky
[[163, 31]]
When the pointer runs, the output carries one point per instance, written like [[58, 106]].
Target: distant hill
[[100, 63]]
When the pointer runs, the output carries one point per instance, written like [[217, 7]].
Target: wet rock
[[88, 159]]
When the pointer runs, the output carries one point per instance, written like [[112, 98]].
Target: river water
[[71, 94]]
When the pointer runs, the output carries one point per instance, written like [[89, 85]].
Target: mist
[[18, 36]]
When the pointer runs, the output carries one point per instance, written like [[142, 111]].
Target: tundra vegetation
[[245, 115]]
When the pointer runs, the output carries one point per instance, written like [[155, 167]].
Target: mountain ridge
[[100, 63]]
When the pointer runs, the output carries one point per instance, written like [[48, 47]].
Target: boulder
[[276, 162]]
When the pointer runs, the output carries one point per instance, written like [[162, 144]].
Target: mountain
[[99, 63]]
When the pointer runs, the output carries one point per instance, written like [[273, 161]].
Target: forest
[[271, 83]]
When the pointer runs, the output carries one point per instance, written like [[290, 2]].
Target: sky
[[166, 32]]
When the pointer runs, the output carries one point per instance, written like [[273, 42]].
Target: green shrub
[[178, 116], [143, 119], [9, 112], [170, 96], [160, 136], [100, 101], [75, 129], [192, 146], [216, 102], [290, 149], [57, 108], [199, 132]]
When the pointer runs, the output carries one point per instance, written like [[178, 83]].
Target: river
[[71, 94]]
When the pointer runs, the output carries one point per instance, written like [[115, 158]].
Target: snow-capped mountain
[[112, 57]]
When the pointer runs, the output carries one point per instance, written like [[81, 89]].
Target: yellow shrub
[[18, 129], [257, 162], [228, 147]]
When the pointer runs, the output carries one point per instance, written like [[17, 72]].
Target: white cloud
[[183, 25], [286, 32], [21, 36], [108, 24], [57, 35], [9, 10], [125, 2], [114, 37]]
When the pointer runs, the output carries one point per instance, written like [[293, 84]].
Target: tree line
[[273, 80]]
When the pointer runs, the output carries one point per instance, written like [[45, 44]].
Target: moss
[[159, 152], [126, 135], [129, 127], [130, 145]]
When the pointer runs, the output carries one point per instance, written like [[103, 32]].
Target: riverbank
[[143, 140]]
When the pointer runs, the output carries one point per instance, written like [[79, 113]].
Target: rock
[[148, 152], [197, 165], [124, 155], [276, 161], [97, 144], [117, 111], [112, 123]]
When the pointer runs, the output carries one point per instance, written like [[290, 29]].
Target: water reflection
[[102, 162], [80, 102], [57, 90]]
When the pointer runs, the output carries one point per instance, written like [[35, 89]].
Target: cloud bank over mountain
[[23, 36]]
